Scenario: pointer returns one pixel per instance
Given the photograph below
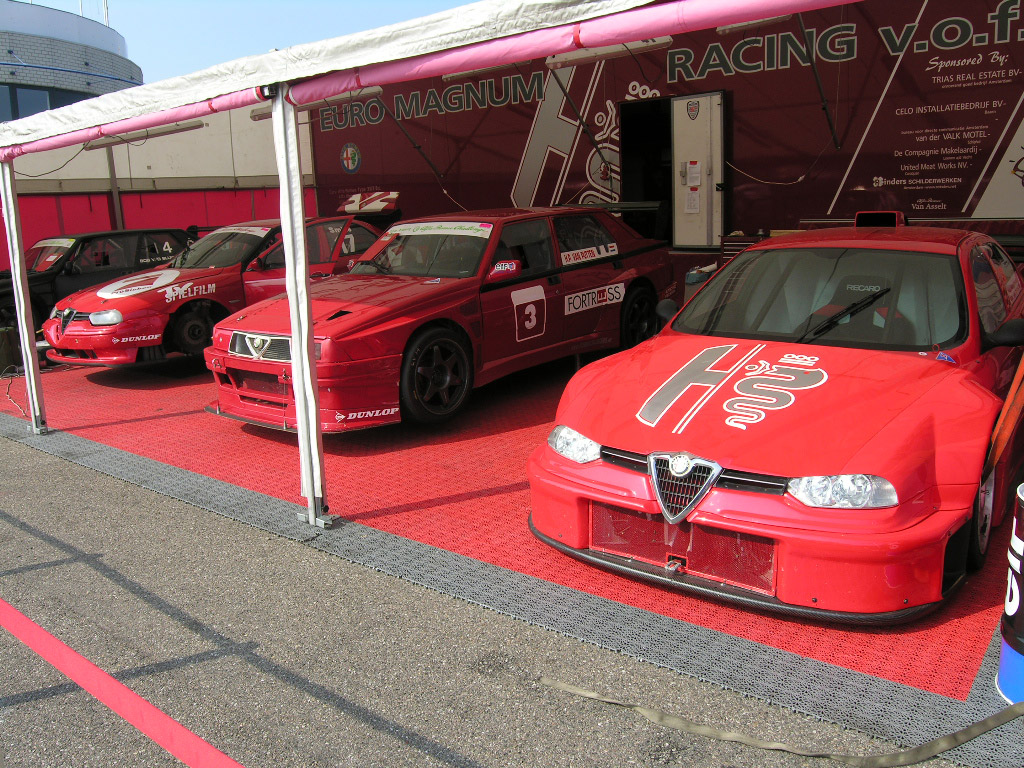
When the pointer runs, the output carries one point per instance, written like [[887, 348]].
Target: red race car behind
[[145, 316], [442, 304]]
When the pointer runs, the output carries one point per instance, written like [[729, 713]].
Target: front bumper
[[82, 343], [352, 395], [609, 516]]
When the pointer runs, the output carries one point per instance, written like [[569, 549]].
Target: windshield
[[46, 253], [222, 248], [854, 297], [431, 249]]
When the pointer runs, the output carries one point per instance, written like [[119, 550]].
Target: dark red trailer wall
[[925, 97]]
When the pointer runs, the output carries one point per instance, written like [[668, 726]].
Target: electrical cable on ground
[[905, 757]]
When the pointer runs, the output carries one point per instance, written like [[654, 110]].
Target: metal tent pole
[[304, 381], [22, 303]]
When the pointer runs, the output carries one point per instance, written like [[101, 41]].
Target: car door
[[265, 275], [591, 280], [354, 244], [524, 315], [98, 260]]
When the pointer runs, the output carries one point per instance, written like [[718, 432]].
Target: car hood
[[782, 408], [341, 303], [152, 288]]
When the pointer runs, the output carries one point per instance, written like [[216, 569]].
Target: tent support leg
[[304, 378], [22, 302]]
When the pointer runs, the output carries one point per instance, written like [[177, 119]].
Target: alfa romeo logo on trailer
[[351, 158], [692, 108]]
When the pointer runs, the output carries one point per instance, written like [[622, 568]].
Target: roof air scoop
[[880, 219]]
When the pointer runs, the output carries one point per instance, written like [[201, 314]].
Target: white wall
[[230, 151]]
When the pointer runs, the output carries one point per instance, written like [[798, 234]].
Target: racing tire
[[192, 331], [436, 376], [981, 532], [638, 321], [9, 316]]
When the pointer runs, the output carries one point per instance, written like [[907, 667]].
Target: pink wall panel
[[45, 216]]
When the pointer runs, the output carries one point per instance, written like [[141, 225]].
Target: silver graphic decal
[[768, 387], [699, 373]]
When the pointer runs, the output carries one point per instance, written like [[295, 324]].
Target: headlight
[[54, 312], [844, 491], [106, 317], [574, 446]]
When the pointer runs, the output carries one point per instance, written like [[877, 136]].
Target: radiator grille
[[681, 480], [260, 346]]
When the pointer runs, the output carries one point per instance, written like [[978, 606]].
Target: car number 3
[[530, 311], [530, 307]]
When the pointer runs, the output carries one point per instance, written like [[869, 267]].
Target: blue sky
[[174, 38]]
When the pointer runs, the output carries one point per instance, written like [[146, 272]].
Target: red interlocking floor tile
[[462, 487]]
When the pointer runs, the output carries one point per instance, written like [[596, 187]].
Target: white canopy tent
[[477, 36]]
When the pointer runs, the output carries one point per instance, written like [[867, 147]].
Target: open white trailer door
[[698, 165]]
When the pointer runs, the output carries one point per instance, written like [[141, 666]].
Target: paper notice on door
[[692, 200], [693, 174]]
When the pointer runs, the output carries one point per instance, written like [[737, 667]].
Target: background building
[[51, 58], [208, 173]]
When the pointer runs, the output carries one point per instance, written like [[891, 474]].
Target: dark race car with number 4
[[442, 304], [146, 315], [60, 266], [810, 434]]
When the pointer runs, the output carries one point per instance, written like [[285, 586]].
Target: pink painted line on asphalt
[[150, 721]]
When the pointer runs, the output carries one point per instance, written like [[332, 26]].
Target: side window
[[320, 241], [991, 308], [528, 242], [357, 239], [274, 258], [107, 253], [1004, 264], [583, 238], [158, 247]]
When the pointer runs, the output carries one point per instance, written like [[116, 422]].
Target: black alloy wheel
[[981, 530], [436, 376], [638, 321]]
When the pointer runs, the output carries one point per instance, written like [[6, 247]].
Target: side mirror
[[344, 264], [72, 269], [504, 270], [256, 265], [666, 309], [1009, 334]]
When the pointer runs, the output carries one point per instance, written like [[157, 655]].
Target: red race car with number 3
[[810, 435], [145, 316], [442, 304]]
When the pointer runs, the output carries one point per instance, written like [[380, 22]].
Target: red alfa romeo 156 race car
[[442, 304], [146, 315], [809, 435]]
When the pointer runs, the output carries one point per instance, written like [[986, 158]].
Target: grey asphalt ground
[[283, 655]]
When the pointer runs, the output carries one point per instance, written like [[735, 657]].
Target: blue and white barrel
[[1010, 679]]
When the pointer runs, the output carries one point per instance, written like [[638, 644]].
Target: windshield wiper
[[832, 321]]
